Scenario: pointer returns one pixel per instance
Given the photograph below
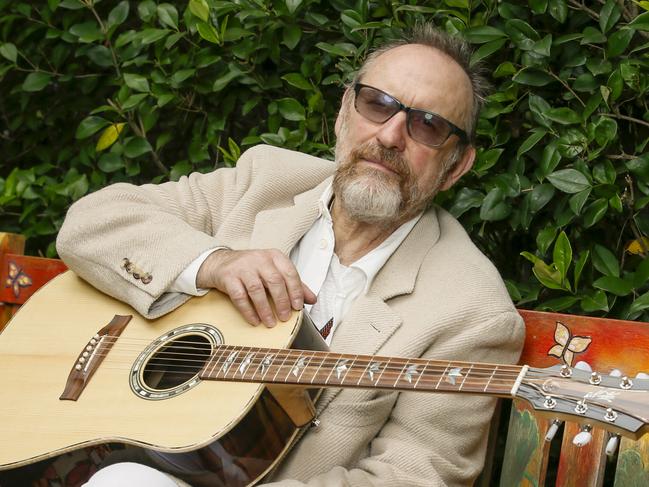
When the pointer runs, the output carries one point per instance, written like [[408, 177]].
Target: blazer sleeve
[[431, 439], [132, 242]]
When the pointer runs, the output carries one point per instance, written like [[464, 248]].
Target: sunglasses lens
[[375, 105], [428, 128]]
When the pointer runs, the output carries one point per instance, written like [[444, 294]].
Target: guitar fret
[[381, 374], [369, 362], [442, 376], [266, 363], [294, 368], [465, 377], [490, 378], [351, 366], [421, 374], [280, 367], [315, 374], [306, 366], [400, 374], [215, 361]]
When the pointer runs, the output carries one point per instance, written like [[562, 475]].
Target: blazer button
[[136, 275], [146, 278]]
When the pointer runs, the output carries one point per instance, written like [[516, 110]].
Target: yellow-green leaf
[[109, 136], [636, 247]]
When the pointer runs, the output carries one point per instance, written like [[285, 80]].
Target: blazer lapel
[[371, 321], [281, 228]]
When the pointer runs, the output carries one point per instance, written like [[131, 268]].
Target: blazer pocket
[[360, 411]]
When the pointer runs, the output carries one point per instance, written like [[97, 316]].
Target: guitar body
[[39, 349]]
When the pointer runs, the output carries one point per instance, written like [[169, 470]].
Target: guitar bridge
[[91, 357]]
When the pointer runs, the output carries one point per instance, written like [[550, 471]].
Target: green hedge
[[95, 92]]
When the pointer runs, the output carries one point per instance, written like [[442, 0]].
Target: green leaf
[[532, 77], [605, 261], [146, 10], [569, 180], [136, 82], [119, 14], [136, 147], [483, 34], [545, 238], [89, 126], [521, 33], [291, 35], [223, 81], [342, 49], [614, 285], [563, 115], [618, 42], [291, 109], [641, 274], [110, 162], [200, 9], [595, 302], [36, 81], [548, 276], [559, 10], [149, 36], [208, 32], [579, 267], [100, 55], [181, 75], [540, 196], [595, 212], [465, 199], [292, 5], [639, 304], [168, 15], [641, 22], [494, 207], [9, 51], [562, 255], [593, 36], [577, 201], [87, 32], [487, 50], [297, 80], [133, 101], [609, 15], [534, 138]]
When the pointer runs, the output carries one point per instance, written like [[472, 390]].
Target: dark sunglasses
[[425, 127]]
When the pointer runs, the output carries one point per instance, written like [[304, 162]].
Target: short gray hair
[[454, 47]]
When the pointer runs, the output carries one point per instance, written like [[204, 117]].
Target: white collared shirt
[[335, 285]]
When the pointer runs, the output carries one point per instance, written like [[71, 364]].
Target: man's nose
[[393, 133]]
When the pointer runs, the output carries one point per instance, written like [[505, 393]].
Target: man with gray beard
[[380, 269]]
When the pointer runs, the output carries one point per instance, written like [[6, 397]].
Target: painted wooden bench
[[528, 459]]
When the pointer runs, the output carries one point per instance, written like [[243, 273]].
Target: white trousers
[[129, 474]]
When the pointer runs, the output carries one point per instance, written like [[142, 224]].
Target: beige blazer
[[437, 297]]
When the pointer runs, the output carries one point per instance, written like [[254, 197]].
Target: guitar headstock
[[618, 404]]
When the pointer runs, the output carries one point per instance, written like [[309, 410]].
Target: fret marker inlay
[[267, 362], [299, 366], [245, 364], [228, 362], [341, 368], [411, 371], [375, 367], [454, 374]]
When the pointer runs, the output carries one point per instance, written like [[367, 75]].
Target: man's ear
[[344, 106], [460, 169]]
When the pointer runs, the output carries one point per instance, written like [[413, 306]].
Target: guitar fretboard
[[328, 369]]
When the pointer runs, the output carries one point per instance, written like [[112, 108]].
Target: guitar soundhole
[[177, 362]]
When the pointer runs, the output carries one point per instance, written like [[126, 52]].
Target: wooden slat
[[582, 467], [526, 451], [633, 463]]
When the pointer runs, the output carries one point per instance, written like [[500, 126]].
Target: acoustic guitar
[[80, 368]]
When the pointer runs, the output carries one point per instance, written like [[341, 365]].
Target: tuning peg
[[583, 437], [612, 444], [552, 430]]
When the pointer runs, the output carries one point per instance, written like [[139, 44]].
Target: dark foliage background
[[95, 92]]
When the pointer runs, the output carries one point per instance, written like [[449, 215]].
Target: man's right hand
[[247, 275]]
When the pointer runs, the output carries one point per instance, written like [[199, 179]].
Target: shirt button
[[323, 243]]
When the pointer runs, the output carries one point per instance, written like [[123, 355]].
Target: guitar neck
[[328, 369]]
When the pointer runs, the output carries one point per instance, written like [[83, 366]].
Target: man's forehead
[[422, 77]]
